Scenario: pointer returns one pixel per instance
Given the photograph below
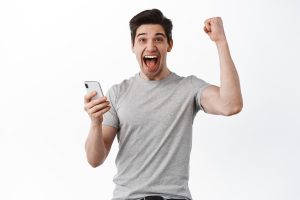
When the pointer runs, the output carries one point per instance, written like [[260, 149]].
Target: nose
[[151, 46]]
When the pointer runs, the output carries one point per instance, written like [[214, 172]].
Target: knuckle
[[93, 103], [90, 111], [88, 105], [86, 98], [98, 114]]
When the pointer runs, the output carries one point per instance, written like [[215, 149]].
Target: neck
[[163, 74]]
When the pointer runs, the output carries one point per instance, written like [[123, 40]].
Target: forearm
[[230, 92], [94, 146]]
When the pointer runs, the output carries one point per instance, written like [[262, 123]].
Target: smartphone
[[94, 86]]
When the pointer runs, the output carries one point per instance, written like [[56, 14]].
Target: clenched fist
[[214, 29]]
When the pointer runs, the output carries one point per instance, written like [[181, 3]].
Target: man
[[152, 113]]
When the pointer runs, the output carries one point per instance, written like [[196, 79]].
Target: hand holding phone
[[98, 107]]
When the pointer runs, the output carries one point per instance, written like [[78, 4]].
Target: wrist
[[221, 42], [96, 124]]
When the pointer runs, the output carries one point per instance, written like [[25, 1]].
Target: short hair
[[153, 16]]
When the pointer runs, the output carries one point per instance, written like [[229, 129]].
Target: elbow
[[95, 159], [233, 109], [95, 163]]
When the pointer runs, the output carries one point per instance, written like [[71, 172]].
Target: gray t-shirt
[[154, 121]]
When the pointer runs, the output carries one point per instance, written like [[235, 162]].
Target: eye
[[159, 39], [141, 40]]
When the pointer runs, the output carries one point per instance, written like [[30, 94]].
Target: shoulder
[[195, 80], [121, 87], [192, 80]]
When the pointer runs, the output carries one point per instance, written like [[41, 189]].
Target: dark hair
[[153, 16]]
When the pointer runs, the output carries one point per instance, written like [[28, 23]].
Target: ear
[[132, 47], [170, 45]]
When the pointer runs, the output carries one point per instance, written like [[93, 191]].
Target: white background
[[48, 48]]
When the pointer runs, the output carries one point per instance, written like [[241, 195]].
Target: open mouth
[[151, 61]]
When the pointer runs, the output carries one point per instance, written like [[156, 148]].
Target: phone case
[[94, 86]]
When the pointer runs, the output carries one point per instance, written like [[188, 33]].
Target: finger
[[101, 112], [89, 96], [94, 102], [205, 29], [207, 25], [216, 21], [98, 107], [207, 21]]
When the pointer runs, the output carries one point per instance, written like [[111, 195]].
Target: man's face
[[151, 47]]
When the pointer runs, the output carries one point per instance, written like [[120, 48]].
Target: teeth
[[150, 57]]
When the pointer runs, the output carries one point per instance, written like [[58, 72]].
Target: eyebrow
[[156, 34]]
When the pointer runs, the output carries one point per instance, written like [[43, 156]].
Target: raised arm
[[226, 99]]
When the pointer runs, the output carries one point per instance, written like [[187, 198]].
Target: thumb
[[205, 29]]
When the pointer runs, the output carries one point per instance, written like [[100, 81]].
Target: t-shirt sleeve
[[110, 118], [199, 85]]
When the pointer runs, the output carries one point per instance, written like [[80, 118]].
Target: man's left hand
[[214, 29]]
